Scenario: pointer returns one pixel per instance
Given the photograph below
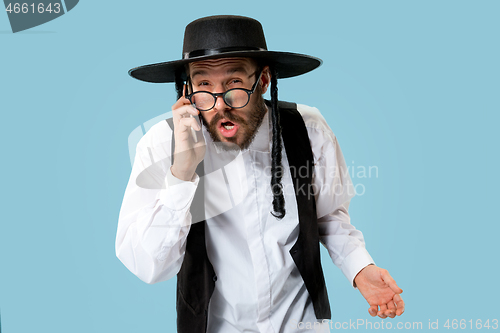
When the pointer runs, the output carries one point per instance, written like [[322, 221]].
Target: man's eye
[[202, 84]]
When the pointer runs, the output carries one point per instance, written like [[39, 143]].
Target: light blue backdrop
[[409, 87]]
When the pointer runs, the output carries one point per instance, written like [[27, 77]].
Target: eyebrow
[[198, 72]]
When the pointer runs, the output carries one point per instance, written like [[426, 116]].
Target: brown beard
[[249, 126]]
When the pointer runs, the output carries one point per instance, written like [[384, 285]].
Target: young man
[[222, 204]]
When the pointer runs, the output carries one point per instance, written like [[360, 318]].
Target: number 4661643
[[25, 8], [478, 324]]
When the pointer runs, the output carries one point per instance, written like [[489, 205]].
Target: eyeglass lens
[[235, 98]]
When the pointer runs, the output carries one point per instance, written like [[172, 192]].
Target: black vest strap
[[196, 278], [306, 251]]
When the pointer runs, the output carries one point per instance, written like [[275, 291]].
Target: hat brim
[[286, 64]]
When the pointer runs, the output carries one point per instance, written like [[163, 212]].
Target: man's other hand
[[380, 290]]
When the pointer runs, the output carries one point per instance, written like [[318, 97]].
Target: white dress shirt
[[258, 287]]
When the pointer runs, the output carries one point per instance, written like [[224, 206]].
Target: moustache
[[228, 116]]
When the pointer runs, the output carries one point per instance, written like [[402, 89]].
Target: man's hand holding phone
[[189, 150]]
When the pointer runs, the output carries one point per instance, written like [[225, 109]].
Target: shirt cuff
[[355, 262], [178, 193]]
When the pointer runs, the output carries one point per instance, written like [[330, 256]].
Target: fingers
[[183, 106], [187, 123], [181, 109], [180, 102], [391, 310], [400, 304], [390, 282], [382, 312], [184, 118], [387, 310]]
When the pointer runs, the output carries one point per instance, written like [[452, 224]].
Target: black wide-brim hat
[[226, 36]]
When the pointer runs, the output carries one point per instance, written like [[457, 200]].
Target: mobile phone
[[193, 132]]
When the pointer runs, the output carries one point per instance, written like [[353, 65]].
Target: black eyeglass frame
[[223, 94]]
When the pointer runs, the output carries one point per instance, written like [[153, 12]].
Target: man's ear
[[266, 79]]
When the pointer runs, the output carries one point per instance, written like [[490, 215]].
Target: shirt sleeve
[[154, 218], [333, 190]]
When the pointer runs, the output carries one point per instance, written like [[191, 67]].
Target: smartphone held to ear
[[193, 132]]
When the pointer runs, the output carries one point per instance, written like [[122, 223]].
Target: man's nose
[[220, 105]]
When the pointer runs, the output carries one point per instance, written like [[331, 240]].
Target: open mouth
[[228, 128]]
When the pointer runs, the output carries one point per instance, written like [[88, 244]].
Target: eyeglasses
[[235, 98]]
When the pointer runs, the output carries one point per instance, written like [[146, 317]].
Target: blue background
[[411, 87]]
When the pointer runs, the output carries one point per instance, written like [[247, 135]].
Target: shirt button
[[215, 278]]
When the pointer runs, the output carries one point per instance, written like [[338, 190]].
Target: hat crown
[[226, 36], [222, 33]]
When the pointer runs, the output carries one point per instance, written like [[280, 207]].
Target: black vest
[[196, 278]]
